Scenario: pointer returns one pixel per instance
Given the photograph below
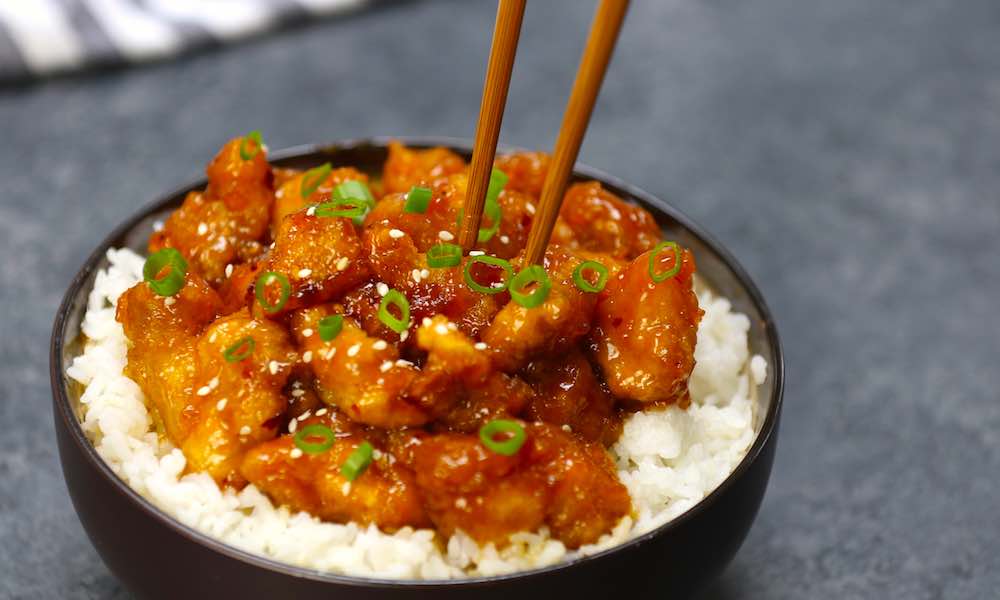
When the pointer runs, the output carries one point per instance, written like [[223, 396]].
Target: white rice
[[668, 459]]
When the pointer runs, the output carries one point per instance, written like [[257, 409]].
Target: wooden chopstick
[[594, 63], [501, 62]]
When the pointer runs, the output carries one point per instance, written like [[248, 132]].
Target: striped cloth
[[41, 37]]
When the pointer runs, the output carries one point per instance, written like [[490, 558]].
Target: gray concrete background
[[848, 152]]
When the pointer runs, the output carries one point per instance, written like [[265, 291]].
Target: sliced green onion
[[173, 281], [417, 200], [514, 432], [658, 277], [357, 462], [240, 350], [394, 298], [492, 210], [492, 261], [316, 430], [349, 207], [312, 179], [498, 180], [262, 283], [248, 152], [581, 281], [444, 255], [355, 190], [534, 273], [329, 327]]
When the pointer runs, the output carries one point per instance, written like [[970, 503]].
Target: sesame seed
[[377, 454], [298, 393], [529, 208], [307, 356], [480, 346], [303, 273], [445, 235], [292, 426], [342, 263], [245, 430], [170, 301], [380, 345], [353, 350], [441, 329], [476, 253], [321, 412], [229, 270], [385, 366], [396, 234], [381, 288], [204, 390], [426, 322], [295, 453], [504, 239], [567, 428], [404, 335], [273, 367], [402, 362], [202, 229], [416, 275], [220, 405], [311, 211], [305, 415], [346, 488], [307, 332], [425, 273], [461, 503], [158, 226]]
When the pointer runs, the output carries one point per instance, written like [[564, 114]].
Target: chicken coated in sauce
[[420, 389]]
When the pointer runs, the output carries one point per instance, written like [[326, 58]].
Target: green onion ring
[[316, 430], [357, 462], [444, 255], [658, 277], [355, 208], [492, 261], [533, 273], [417, 200], [581, 281], [507, 447], [394, 298], [173, 281], [262, 282], [329, 327], [313, 178], [249, 153], [234, 354], [355, 190]]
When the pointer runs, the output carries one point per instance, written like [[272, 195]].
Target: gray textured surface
[[848, 152]]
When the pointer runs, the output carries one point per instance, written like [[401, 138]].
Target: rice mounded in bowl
[[668, 459]]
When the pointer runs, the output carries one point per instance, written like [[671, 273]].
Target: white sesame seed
[[404, 335], [396, 234], [295, 453], [202, 229], [170, 301], [307, 356], [220, 405], [441, 329], [353, 350], [158, 226], [204, 390], [385, 366], [245, 430], [425, 273], [380, 345], [461, 503], [211, 338], [292, 426], [377, 454], [346, 488], [476, 253], [402, 362], [480, 346], [426, 322], [273, 367], [311, 211], [379, 381], [303, 273], [416, 275], [445, 235], [381, 288], [321, 412], [342, 263], [229, 270], [529, 208], [567, 428], [298, 393], [504, 239], [307, 332], [305, 415]]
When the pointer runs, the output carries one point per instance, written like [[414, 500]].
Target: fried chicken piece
[[290, 199], [569, 394], [406, 167], [162, 359], [519, 334], [592, 218], [320, 256], [554, 479], [227, 222], [525, 171], [366, 378], [384, 494], [645, 332], [240, 400]]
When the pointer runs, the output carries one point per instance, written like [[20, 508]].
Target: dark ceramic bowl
[[157, 557]]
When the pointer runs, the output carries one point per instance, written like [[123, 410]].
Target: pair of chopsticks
[[593, 64]]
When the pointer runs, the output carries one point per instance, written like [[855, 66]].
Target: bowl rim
[[66, 413]]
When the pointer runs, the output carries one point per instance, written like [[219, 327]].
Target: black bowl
[[157, 557]]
